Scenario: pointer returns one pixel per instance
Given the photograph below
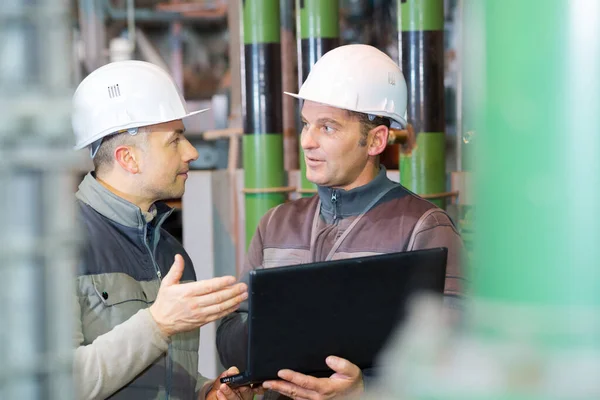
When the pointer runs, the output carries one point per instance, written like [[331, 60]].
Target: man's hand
[[221, 391], [346, 381], [183, 307]]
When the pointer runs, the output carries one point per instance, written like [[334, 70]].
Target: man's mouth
[[313, 161]]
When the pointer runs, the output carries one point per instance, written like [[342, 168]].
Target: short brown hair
[[366, 125], [103, 159]]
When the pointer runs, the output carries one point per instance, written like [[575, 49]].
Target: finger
[[343, 367], [221, 395], [175, 272], [304, 381], [226, 392], [214, 317], [207, 286], [231, 371], [290, 390], [226, 305], [222, 296]]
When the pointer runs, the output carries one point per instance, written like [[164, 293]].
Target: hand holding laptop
[[221, 391], [346, 381]]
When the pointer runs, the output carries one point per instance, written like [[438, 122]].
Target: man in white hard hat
[[139, 308], [352, 96]]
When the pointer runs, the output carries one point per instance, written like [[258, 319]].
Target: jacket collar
[[117, 209], [339, 203]]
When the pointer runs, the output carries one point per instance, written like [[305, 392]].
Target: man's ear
[[126, 157], [378, 138]]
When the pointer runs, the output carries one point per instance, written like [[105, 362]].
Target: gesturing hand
[[180, 307]]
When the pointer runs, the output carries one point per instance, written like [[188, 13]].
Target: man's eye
[[328, 129]]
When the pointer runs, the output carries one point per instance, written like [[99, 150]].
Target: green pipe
[[421, 37], [263, 121], [532, 323], [538, 181], [425, 169], [319, 31]]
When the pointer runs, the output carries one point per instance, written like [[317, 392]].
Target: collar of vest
[[117, 209], [339, 203]]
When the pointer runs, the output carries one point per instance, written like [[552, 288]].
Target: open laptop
[[298, 315]]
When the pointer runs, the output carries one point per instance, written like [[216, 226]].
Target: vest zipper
[[146, 240], [169, 361], [334, 202]]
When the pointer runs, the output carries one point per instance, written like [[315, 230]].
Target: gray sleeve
[[115, 358]]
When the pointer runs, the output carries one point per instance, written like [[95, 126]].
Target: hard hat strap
[[95, 146]]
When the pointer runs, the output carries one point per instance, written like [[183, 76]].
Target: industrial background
[[504, 105]]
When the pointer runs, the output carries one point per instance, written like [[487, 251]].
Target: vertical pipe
[[131, 25], [470, 72], [421, 38], [177, 53], [533, 323], [93, 33], [319, 31], [542, 111], [21, 311], [37, 240], [289, 67], [234, 22], [263, 140], [458, 26]]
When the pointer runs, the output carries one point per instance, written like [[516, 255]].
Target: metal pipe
[[289, 67], [236, 51], [421, 38], [318, 32], [458, 26], [93, 33], [37, 236], [532, 322], [263, 125], [131, 24], [177, 52]]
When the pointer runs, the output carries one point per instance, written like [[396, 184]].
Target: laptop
[[298, 315]]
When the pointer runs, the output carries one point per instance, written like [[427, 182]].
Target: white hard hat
[[360, 78], [123, 96]]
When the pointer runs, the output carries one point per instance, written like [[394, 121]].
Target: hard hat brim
[[400, 123], [315, 100], [137, 124]]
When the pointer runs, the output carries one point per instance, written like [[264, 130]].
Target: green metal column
[[319, 31], [421, 38], [263, 125], [537, 176], [538, 181], [532, 324]]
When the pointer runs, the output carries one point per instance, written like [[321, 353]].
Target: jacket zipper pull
[[148, 239], [334, 202]]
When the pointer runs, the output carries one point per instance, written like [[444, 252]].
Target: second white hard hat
[[359, 78]]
